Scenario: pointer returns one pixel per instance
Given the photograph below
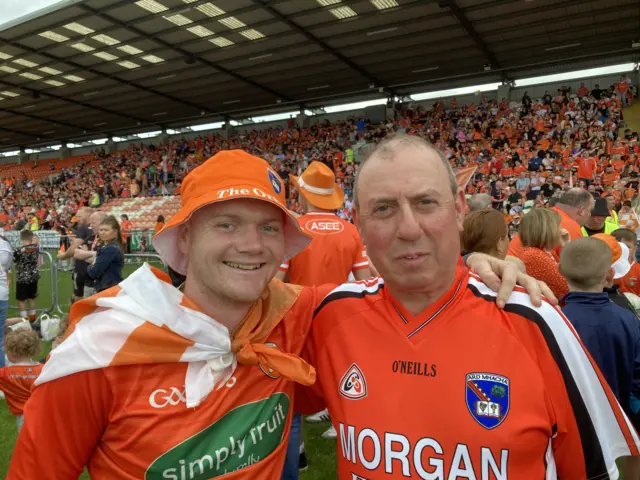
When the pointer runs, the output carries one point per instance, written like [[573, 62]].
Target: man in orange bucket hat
[[156, 382]]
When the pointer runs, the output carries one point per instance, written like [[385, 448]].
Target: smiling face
[[410, 220], [234, 248]]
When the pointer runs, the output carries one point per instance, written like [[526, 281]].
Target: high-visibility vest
[[608, 228], [613, 219]]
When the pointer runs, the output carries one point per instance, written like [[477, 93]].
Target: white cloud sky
[[12, 9]]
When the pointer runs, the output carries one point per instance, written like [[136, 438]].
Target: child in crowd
[[16, 380], [610, 333], [630, 283], [25, 259]]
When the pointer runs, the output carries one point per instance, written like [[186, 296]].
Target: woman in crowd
[[540, 233], [486, 231], [107, 263]]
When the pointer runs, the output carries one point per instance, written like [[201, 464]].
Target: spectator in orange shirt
[[541, 233], [582, 91], [16, 380], [586, 169], [621, 88], [127, 228], [336, 250], [630, 283], [159, 224]]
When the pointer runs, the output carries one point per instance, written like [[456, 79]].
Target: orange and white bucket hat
[[318, 185], [228, 175]]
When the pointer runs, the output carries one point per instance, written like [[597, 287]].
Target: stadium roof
[[110, 67]]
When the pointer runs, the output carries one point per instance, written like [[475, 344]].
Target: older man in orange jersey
[[424, 377]]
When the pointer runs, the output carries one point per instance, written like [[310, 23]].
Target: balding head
[[95, 220], [392, 146], [479, 201], [577, 203], [576, 197]]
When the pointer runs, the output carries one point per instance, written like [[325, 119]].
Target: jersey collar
[[414, 325]]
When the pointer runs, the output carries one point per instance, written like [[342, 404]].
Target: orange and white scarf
[[145, 320]]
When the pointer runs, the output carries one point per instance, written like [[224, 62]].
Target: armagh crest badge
[[274, 181], [487, 396]]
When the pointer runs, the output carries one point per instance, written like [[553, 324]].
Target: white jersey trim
[[612, 440]]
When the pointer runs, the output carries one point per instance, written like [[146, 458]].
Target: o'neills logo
[[324, 227], [242, 437]]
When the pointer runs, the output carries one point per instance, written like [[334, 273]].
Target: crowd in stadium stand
[[524, 153]]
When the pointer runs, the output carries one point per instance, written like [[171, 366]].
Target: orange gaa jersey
[[461, 391], [336, 246], [132, 422], [16, 382]]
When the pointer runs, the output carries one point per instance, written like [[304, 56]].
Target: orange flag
[[464, 175]]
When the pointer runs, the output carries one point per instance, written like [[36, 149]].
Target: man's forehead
[[401, 171]]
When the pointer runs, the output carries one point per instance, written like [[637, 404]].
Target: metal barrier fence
[[55, 286], [64, 276], [51, 240]]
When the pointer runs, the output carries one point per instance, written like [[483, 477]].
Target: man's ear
[[461, 205], [355, 215], [184, 235]]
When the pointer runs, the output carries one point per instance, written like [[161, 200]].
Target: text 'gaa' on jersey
[[324, 227], [353, 384], [487, 396]]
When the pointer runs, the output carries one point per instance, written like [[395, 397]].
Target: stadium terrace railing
[[56, 280], [132, 261]]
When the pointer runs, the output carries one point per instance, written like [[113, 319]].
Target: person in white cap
[[159, 383]]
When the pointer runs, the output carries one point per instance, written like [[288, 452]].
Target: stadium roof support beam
[[466, 24], [186, 54], [20, 132], [313, 39], [74, 102], [196, 40], [144, 18], [99, 74], [43, 119]]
